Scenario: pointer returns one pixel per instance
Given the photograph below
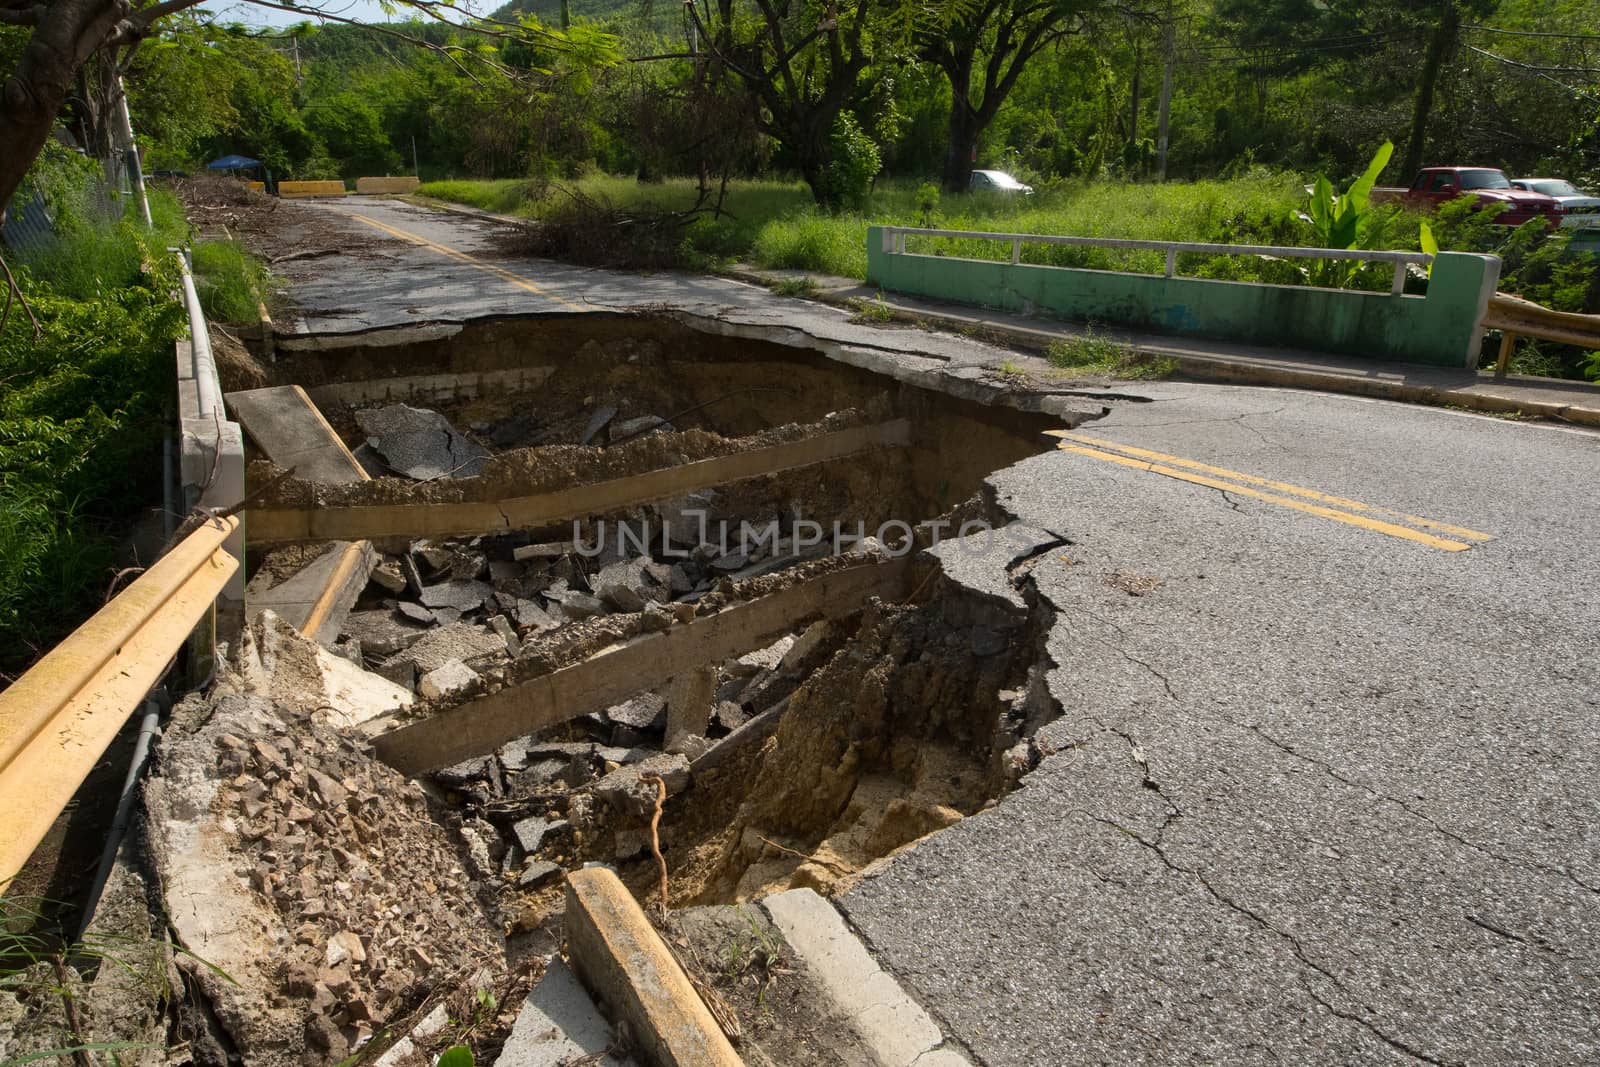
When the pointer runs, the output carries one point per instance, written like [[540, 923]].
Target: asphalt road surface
[[1324, 789]]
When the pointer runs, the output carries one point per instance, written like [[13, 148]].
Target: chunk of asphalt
[[597, 422], [420, 443], [645, 711], [627, 429], [462, 595], [536, 874], [531, 616], [531, 832], [579, 606], [382, 633], [416, 612]]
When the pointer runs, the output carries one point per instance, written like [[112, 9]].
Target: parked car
[[1575, 203], [1438, 185], [997, 181]]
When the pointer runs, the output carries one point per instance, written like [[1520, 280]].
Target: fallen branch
[[13, 289]]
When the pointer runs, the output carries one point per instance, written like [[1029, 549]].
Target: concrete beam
[[431, 388], [625, 964], [468, 518], [286, 425], [317, 600], [611, 676]]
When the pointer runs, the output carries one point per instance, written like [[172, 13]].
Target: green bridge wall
[[1440, 328]]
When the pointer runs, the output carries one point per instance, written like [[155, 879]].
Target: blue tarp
[[233, 163]]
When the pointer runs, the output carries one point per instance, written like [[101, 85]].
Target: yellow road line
[[471, 260], [1375, 525], [1282, 487]]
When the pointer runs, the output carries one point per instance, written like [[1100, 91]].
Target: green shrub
[[230, 281], [82, 414]]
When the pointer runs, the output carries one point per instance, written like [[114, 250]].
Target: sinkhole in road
[[650, 558]]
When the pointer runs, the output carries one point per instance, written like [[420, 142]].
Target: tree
[[1007, 33], [802, 62], [65, 35]]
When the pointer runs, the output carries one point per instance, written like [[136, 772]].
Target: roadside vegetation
[[88, 373]]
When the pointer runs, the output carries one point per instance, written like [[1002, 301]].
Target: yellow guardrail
[[59, 717], [1516, 317]]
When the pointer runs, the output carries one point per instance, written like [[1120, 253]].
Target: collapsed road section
[[534, 594]]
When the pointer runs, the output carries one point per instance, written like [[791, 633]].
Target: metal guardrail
[[59, 717], [894, 243], [1516, 317]]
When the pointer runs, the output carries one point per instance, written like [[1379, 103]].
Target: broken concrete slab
[[627, 792], [689, 703], [383, 632], [420, 443], [277, 660], [461, 640], [447, 678], [389, 576], [627, 429], [288, 428], [559, 1025], [316, 600], [502, 626]]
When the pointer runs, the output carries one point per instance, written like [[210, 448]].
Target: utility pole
[[1169, 50], [416, 167], [130, 150]]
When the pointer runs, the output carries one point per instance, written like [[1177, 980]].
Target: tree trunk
[[1444, 39], [68, 32], [963, 146]]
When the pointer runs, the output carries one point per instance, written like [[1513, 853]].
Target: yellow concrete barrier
[[406, 184], [57, 719], [258, 186], [293, 190]]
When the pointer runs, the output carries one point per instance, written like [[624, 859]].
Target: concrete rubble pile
[[439, 614], [314, 877]]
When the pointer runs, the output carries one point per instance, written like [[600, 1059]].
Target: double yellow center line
[[1311, 501], [470, 260]]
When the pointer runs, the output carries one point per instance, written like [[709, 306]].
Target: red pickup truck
[[1436, 185]]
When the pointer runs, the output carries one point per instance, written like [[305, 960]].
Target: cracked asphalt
[[1317, 795], [1322, 795]]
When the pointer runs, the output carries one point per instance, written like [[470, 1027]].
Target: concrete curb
[[897, 1030], [626, 965]]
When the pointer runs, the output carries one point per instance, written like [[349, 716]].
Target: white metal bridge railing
[[894, 243]]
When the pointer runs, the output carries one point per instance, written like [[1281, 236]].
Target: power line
[[1533, 33], [1537, 72]]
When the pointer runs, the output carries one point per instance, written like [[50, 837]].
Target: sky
[[252, 15]]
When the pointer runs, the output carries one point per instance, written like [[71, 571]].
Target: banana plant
[[1342, 221]]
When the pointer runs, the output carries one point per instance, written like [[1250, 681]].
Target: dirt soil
[[285, 233]]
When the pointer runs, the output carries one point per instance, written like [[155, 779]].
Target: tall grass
[[229, 280], [775, 223]]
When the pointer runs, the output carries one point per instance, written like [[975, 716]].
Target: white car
[[998, 181], [1578, 209]]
